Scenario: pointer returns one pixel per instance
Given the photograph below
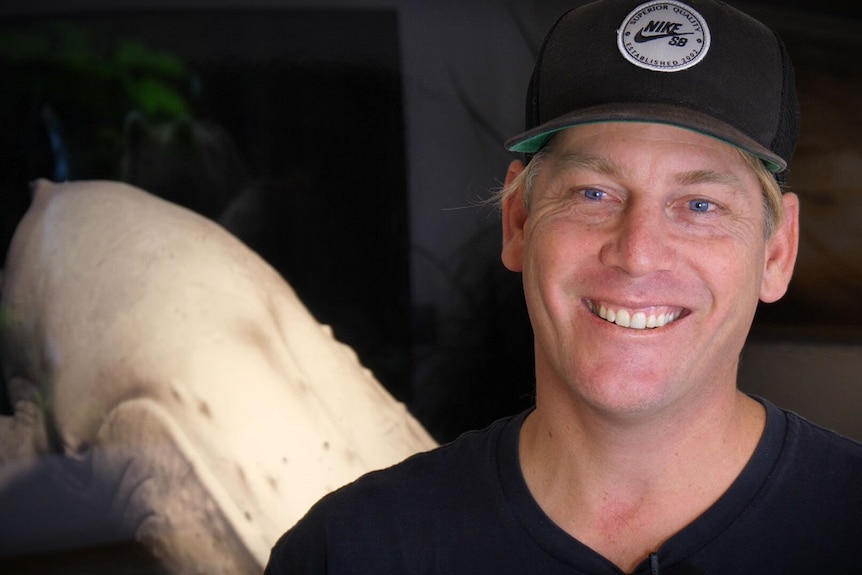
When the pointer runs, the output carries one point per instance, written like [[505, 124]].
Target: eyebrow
[[605, 166], [710, 177], [598, 164]]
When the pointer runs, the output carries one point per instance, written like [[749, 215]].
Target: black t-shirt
[[465, 508]]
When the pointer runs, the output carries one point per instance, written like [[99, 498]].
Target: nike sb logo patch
[[663, 35], [658, 30]]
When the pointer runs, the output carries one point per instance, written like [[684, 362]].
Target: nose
[[639, 242]]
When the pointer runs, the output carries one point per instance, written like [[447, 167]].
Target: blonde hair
[[773, 206]]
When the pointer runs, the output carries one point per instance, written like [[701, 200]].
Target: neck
[[624, 484]]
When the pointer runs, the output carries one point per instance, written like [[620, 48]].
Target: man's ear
[[781, 251], [514, 216]]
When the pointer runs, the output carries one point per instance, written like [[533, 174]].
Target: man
[[647, 224]]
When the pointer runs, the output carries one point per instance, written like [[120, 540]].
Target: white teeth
[[636, 320], [623, 318], [607, 314]]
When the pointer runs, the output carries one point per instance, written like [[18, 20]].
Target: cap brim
[[533, 140]]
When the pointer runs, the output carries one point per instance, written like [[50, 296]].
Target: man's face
[[643, 257]]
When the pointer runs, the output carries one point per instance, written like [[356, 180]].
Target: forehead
[[660, 149]]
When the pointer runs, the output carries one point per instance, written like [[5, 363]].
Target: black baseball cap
[[698, 64]]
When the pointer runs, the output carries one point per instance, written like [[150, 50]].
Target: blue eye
[[593, 194], [699, 205]]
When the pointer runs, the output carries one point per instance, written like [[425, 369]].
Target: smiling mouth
[[652, 318]]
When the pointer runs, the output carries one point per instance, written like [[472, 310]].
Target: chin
[[629, 394]]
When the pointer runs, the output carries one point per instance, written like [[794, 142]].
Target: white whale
[[148, 345]]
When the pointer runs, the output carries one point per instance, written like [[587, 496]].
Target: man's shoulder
[[431, 507], [454, 470], [816, 440], [806, 504], [822, 461], [418, 502]]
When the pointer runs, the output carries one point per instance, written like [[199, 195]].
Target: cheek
[[554, 239], [734, 277], [555, 269], [547, 253]]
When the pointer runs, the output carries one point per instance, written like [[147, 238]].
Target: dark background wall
[[359, 139]]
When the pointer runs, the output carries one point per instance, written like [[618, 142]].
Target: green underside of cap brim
[[536, 142]]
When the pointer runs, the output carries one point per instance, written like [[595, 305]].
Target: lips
[[645, 318]]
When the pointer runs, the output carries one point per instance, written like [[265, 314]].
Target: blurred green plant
[[66, 57], [68, 87]]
